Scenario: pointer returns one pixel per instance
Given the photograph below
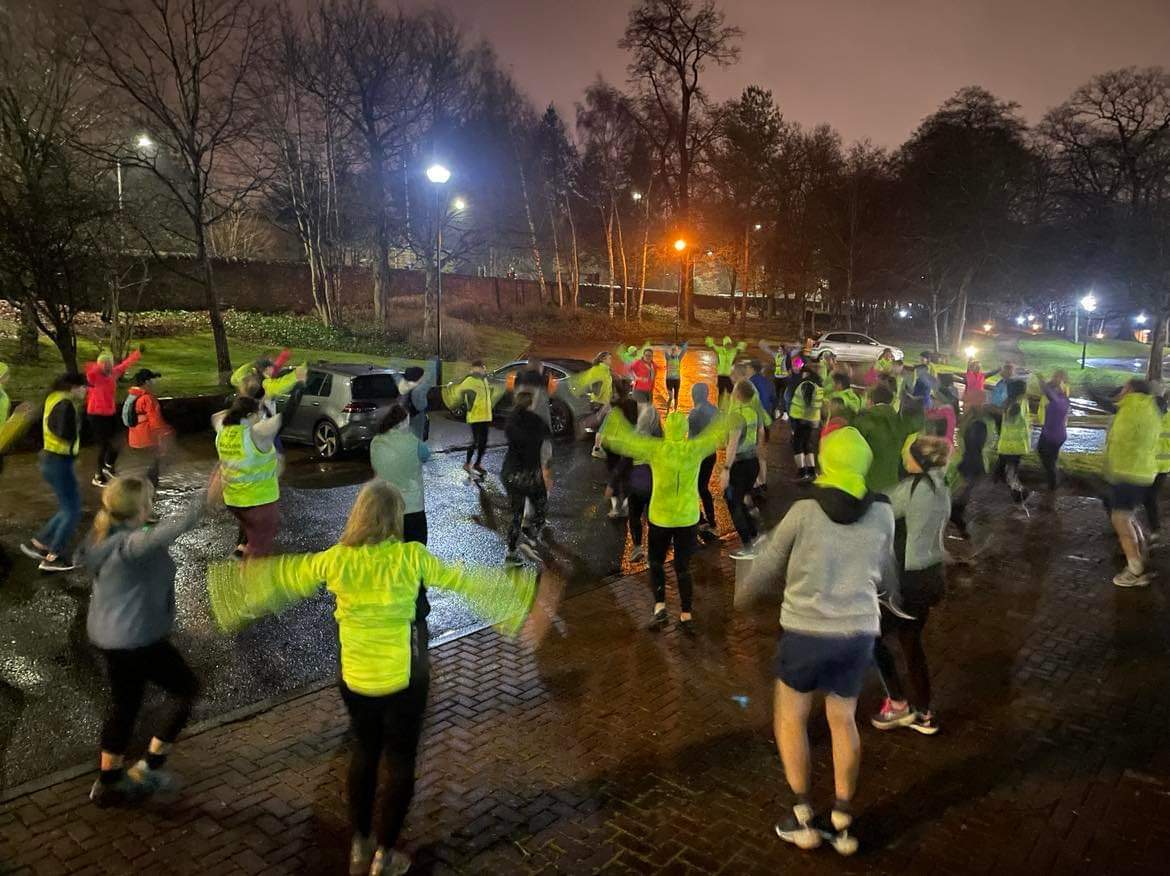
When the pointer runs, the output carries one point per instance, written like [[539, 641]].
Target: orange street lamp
[[680, 245]]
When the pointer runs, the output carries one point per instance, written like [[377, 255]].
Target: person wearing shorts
[[835, 553], [1131, 466]]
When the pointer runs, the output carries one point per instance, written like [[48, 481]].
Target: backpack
[[130, 411]]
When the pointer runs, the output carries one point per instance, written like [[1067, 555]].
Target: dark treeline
[[245, 129]]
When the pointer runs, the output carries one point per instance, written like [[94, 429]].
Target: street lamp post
[[1089, 303], [680, 246], [438, 175]]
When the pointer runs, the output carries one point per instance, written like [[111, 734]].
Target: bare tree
[[182, 65], [671, 42], [57, 212], [1110, 144]]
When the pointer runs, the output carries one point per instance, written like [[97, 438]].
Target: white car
[[852, 347]]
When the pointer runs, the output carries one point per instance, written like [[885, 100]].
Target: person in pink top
[[101, 409]]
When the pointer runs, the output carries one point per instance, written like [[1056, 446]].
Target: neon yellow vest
[[781, 364], [751, 428], [1164, 444], [812, 413], [249, 474], [1015, 434], [53, 444]]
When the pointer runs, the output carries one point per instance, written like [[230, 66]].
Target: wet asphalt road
[[52, 689]]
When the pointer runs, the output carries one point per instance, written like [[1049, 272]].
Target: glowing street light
[[637, 196], [758, 226], [680, 245], [971, 352], [144, 142], [903, 313], [1140, 319], [1019, 320], [459, 205], [1089, 303], [987, 326], [438, 174]]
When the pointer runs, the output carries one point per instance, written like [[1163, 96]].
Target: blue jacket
[[766, 390]]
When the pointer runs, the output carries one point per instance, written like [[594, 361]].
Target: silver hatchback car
[[341, 407]]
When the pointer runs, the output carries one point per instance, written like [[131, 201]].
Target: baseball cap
[[144, 374]]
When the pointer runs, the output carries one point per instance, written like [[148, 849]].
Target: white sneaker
[[390, 862], [598, 453], [361, 855], [637, 554], [1126, 578], [747, 552]]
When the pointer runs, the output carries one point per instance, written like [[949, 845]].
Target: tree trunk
[[1157, 341], [621, 241], [537, 265], [381, 265], [65, 340], [29, 349], [961, 314], [556, 242], [608, 220], [934, 315], [223, 360], [575, 275]]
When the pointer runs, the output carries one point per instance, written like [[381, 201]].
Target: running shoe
[[361, 855], [98, 481], [747, 552], [598, 453], [890, 717], [687, 625], [797, 828], [152, 779], [124, 792], [836, 833], [108, 472], [528, 551], [33, 552], [886, 601], [390, 862], [1126, 578], [1155, 539], [480, 471], [637, 555], [658, 619], [925, 723], [467, 468], [513, 558], [52, 563]]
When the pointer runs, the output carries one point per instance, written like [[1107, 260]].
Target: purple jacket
[[1055, 416]]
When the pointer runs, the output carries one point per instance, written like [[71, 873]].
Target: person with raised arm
[[725, 354]]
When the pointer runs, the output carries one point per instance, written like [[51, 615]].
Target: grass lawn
[[187, 361]]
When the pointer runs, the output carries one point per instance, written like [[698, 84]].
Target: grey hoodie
[[925, 502], [133, 601], [703, 411], [834, 554]]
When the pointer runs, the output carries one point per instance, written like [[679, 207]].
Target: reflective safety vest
[[1015, 433], [249, 474], [746, 449], [812, 412], [781, 364], [850, 399], [54, 444], [1133, 441]]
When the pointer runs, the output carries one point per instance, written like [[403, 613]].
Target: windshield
[[374, 386]]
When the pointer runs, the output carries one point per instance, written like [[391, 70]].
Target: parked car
[[565, 410], [341, 407], [852, 347]]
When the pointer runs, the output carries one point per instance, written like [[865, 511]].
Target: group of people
[[888, 464]]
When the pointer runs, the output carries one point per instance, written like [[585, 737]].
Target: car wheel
[[560, 419], [326, 440]]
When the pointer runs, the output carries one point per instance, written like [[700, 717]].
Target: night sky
[[870, 68]]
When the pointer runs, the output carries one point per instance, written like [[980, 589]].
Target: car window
[[555, 373], [832, 336], [866, 339], [314, 382], [369, 387], [856, 339], [508, 369]]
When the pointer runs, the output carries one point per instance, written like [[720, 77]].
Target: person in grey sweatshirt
[[700, 417], [922, 506], [131, 613], [834, 553], [413, 386]]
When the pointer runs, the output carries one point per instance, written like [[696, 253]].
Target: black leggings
[[740, 483], [129, 670], [525, 485], [909, 635], [724, 385], [706, 467], [388, 726], [105, 433], [804, 436], [672, 387], [661, 538], [1049, 453], [639, 502], [414, 528], [479, 437]]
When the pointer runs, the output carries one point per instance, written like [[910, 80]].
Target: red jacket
[[151, 428], [102, 398], [643, 373]]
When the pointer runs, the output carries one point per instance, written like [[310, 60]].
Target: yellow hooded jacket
[[375, 587]]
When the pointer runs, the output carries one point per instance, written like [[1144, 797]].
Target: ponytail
[[123, 499]]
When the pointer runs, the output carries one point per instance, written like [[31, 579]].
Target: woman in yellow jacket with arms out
[[374, 577], [478, 396]]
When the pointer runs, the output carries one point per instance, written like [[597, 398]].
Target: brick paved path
[[620, 751]]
